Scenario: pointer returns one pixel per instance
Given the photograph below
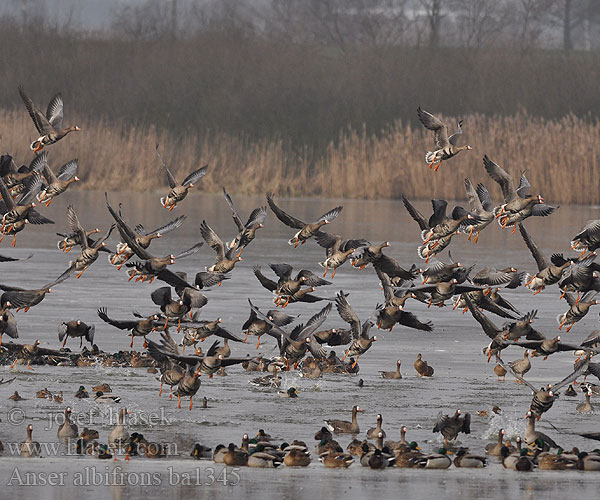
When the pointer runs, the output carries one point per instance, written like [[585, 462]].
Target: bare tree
[[479, 21], [433, 12]]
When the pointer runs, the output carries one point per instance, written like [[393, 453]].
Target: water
[[462, 377]]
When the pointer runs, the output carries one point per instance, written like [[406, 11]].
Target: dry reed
[[560, 158]]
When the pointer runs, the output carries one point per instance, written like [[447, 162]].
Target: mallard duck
[[451, 426], [76, 328], [119, 435], [199, 451], [439, 460], [524, 463], [30, 448], [261, 459], [465, 459], [508, 458], [57, 398], [588, 461], [103, 452], [334, 460], [67, 430], [570, 391], [106, 398], [81, 393], [89, 434], [305, 230], [447, 145], [392, 375], [234, 457], [297, 458], [407, 458], [494, 449], [373, 433], [178, 192], [355, 447], [16, 397], [49, 125], [219, 454], [292, 392], [343, 426]]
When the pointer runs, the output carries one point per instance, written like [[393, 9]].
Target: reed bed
[[560, 157]]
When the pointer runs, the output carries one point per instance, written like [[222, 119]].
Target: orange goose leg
[[334, 270], [476, 239]]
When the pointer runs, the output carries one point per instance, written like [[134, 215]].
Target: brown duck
[[422, 367]]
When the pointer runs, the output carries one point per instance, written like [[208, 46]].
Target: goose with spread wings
[[16, 214], [24, 299], [337, 250], [258, 327], [14, 177], [393, 312], [302, 295], [543, 399], [247, 231], [518, 203], [360, 332], [500, 335], [57, 184], [140, 327], [89, 254], [226, 259], [434, 245], [143, 238], [294, 345], [178, 191], [49, 125], [442, 291], [152, 266], [446, 146], [480, 203], [548, 273], [306, 231]]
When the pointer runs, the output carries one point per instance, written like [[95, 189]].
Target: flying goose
[[447, 146], [49, 125]]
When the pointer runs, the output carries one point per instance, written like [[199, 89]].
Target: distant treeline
[[233, 82], [560, 157]]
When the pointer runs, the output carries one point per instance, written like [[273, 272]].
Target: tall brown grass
[[560, 157]]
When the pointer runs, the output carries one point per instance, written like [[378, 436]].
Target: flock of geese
[[303, 346]]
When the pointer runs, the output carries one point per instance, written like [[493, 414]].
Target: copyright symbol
[[16, 416]]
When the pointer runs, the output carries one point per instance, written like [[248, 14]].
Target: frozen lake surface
[[463, 379]]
